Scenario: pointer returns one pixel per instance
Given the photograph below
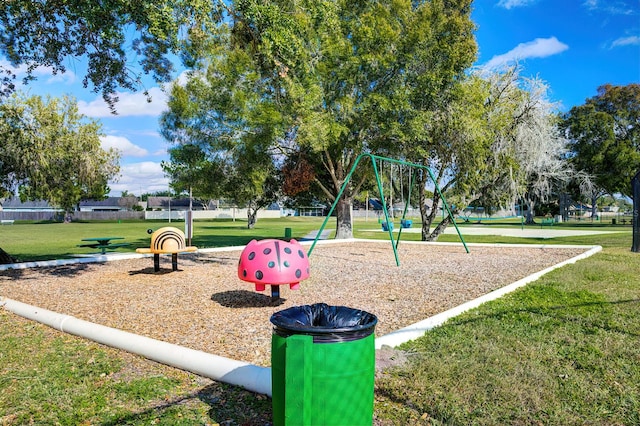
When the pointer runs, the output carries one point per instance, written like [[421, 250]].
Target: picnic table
[[102, 243]]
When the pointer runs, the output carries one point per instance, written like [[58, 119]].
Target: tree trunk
[[5, 258], [252, 217], [439, 229], [344, 224], [429, 216], [424, 215], [531, 204], [594, 207]]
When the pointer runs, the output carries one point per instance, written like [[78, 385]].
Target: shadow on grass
[[245, 299], [234, 405]]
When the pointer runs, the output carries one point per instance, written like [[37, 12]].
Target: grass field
[[46, 241], [563, 350]]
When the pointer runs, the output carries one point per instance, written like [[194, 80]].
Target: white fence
[[230, 213]]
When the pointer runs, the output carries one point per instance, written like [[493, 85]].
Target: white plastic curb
[[396, 338], [248, 376]]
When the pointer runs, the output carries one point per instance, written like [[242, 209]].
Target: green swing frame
[[415, 167]]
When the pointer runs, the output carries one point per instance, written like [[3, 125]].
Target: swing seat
[[387, 225], [406, 223]]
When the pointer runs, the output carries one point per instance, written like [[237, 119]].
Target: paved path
[[529, 232]]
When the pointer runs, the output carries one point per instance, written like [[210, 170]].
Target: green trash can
[[287, 233], [322, 366]]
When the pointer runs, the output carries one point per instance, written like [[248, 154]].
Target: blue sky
[[573, 45]]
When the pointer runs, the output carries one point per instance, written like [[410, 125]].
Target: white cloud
[[67, 78], [626, 41], [124, 145], [619, 7], [129, 104], [538, 48], [139, 178], [508, 4]]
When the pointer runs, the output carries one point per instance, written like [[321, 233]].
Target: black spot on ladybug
[[244, 273], [298, 273], [266, 251], [259, 275], [301, 253], [271, 264], [252, 255], [287, 250], [286, 264]]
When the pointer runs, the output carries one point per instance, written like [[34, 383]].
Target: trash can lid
[[326, 323]]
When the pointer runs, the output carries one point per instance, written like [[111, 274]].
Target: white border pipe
[[249, 376], [414, 331]]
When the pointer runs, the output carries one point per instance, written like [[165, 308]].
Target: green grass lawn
[[46, 241], [564, 350]]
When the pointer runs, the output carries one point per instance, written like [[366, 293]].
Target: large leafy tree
[[605, 136], [50, 151], [380, 64], [451, 137], [226, 115], [528, 139], [47, 33], [493, 140], [327, 78]]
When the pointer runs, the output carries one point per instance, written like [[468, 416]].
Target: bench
[[547, 222], [6, 221], [166, 240]]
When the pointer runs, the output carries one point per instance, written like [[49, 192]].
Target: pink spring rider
[[273, 262]]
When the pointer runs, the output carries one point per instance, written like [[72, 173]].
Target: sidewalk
[[529, 232]]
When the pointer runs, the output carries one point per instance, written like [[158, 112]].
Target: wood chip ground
[[205, 306]]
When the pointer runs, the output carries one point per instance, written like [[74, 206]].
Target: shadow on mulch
[[245, 299], [151, 271], [71, 270]]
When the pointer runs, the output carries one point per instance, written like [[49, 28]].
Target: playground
[[205, 306]]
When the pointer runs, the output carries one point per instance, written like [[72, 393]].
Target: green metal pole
[[444, 203], [384, 207], [333, 206]]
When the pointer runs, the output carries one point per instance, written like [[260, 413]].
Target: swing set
[[389, 229]]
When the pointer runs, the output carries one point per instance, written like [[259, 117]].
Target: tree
[[224, 122], [492, 139], [448, 133], [188, 169], [376, 59], [532, 151], [52, 152], [605, 137], [128, 200], [326, 77], [48, 33]]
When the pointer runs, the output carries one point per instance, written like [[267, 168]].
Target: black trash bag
[[325, 323]]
